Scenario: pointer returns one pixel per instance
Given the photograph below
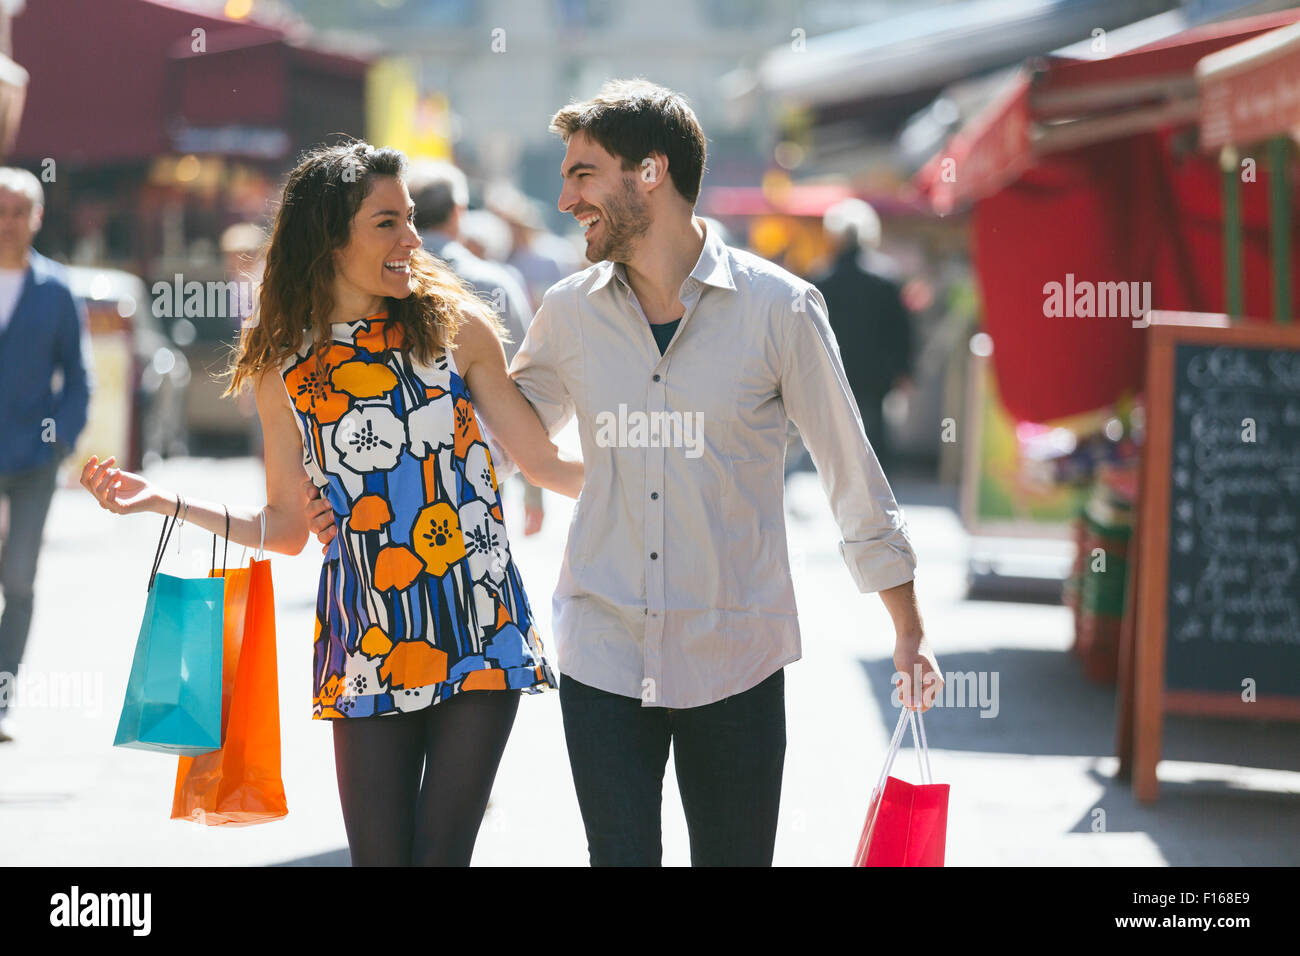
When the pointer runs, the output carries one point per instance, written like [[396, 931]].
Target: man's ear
[[654, 169], [38, 213]]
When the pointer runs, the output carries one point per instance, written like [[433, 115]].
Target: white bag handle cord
[[922, 749]]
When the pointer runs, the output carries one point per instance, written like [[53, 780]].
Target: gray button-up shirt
[[675, 586]]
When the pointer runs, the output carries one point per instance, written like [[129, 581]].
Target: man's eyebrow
[[577, 166], [389, 212]]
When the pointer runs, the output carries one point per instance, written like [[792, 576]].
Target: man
[[43, 329], [682, 359], [440, 192], [675, 614], [867, 315]]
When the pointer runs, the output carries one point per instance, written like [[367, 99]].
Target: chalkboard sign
[[1233, 589], [1215, 587]]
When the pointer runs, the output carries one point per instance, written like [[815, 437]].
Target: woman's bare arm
[[286, 484], [505, 411]]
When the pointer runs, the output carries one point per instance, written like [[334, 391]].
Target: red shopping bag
[[907, 824], [240, 784]]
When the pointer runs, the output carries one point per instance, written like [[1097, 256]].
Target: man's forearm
[[900, 602]]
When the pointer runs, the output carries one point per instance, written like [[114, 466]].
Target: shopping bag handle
[[168, 524], [913, 717], [225, 548], [261, 537]]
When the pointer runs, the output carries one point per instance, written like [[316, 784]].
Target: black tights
[[394, 819]]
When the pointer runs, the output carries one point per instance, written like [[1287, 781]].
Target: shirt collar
[[712, 268]]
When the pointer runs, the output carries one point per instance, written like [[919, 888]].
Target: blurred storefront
[[1089, 186], [194, 133], [13, 81]]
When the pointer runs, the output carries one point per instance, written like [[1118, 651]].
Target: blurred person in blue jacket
[[44, 335]]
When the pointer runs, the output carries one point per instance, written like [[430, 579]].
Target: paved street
[[1027, 784]]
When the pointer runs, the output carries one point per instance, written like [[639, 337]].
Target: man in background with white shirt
[[440, 192], [43, 329], [683, 358]]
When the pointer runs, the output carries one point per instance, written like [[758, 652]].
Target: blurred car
[[141, 377]]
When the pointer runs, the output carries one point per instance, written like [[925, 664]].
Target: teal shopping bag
[[173, 696]]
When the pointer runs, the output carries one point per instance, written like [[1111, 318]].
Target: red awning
[[1102, 191], [982, 158], [1251, 91], [127, 84]]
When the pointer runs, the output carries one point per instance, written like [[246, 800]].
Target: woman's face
[[377, 257]]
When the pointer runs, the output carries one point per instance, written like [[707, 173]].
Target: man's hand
[[917, 672], [320, 516]]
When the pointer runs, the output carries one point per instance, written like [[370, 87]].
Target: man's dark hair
[[631, 119]]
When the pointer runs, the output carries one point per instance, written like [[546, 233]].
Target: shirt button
[[656, 377], [654, 495], [654, 555]]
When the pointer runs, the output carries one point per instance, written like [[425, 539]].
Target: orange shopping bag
[[240, 783]]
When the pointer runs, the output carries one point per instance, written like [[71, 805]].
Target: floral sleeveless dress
[[419, 597]]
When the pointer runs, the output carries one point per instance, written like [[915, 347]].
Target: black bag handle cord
[[224, 548], [163, 538]]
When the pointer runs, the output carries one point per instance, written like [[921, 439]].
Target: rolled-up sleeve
[[818, 399]]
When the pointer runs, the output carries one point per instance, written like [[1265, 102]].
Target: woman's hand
[[121, 492]]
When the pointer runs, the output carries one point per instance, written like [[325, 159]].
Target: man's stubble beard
[[627, 219]]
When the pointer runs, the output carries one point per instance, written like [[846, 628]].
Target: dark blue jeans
[[29, 493], [728, 755]]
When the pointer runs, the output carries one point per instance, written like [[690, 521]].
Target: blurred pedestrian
[[243, 250], [44, 329], [440, 192], [867, 314], [542, 258], [424, 635]]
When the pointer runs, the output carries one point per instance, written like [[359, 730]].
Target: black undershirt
[[664, 333]]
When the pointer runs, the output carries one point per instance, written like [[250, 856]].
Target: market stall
[[1099, 219]]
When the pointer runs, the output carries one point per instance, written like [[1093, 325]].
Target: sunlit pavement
[[1031, 783]]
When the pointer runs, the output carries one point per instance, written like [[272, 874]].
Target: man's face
[[19, 221], [606, 200]]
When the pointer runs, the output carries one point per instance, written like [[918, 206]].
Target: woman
[[424, 637]]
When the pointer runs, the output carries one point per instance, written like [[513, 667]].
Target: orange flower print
[[488, 679], [413, 664], [330, 692], [312, 394], [396, 567], [436, 537], [363, 379], [370, 513], [380, 335], [466, 427]]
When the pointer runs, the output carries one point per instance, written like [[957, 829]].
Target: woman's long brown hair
[[314, 220]]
